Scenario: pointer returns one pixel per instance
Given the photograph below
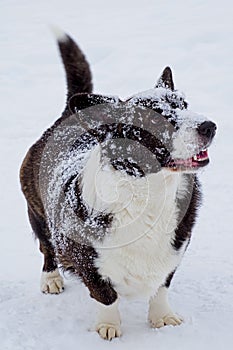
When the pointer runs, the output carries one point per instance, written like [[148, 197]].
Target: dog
[[112, 191]]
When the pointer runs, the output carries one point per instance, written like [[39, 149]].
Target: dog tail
[[77, 69]]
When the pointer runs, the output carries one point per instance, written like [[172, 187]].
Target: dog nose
[[207, 129]]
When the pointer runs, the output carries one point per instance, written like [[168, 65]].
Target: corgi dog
[[112, 191]]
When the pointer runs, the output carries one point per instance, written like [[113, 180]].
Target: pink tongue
[[202, 155], [190, 161]]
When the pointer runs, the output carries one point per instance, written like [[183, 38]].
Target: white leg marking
[[160, 313], [51, 282], [108, 321]]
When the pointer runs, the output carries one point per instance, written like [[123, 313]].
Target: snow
[[128, 45]]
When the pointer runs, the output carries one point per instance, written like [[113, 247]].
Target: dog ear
[[166, 79], [85, 100]]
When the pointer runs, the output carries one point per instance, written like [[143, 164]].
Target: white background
[[127, 43]]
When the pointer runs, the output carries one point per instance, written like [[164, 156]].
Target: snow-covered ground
[[128, 43]]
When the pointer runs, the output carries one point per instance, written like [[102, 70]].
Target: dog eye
[[173, 105]]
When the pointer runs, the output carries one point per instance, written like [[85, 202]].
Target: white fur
[[187, 142], [108, 321], [160, 313], [51, 282], [59, 34], [137, 254]]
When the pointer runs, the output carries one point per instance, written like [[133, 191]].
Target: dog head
[[192, 133]]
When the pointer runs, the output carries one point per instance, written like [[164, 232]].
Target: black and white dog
[[112, 191]]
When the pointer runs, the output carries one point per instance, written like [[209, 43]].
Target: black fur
[[79, 260], [78, 76], [169, 279], [184, 229], [166, 79]]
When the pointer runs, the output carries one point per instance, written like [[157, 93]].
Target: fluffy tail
[[78, 74]]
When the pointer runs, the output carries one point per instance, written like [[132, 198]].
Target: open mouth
[[198, 161]]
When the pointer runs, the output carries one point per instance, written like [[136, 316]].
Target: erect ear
[[85, 100], [166, 79]]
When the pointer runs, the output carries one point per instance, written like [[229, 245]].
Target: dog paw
[[167, 320], [108, 331], [51, 282]]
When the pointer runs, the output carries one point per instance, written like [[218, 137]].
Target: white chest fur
[[136, 254]]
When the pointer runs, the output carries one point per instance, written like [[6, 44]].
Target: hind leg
[[51, 280]]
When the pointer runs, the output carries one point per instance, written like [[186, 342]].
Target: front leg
[[160, 313], [108, 321], [108, 317], [101, 289]]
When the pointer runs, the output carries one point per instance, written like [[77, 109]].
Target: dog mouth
[[200, 160]]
